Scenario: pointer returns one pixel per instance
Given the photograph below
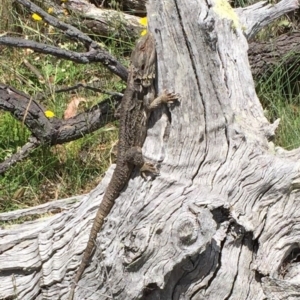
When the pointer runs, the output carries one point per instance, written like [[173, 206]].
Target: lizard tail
[[102, 212]]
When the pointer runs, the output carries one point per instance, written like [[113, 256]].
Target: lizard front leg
[[165, 97]]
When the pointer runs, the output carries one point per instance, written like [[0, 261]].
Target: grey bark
[[222, 221], [108, 22], [283, 51]]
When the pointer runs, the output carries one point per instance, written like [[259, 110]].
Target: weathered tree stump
[[222, 221]]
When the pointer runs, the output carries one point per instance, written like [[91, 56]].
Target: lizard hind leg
[[135, 157]]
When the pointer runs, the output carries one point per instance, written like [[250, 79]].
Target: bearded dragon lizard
[[137, 103]]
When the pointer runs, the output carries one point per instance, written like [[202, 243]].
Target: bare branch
[[46, 208], [94, 55], [88, 87], [20, 155], [69, 30], [51, 131], [106, 21], [255, 17]]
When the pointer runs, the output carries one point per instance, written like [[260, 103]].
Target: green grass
[[279, 95], [78, 166], [62, 170], [56, 172]]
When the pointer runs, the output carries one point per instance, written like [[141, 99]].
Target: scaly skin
[[137, 103]]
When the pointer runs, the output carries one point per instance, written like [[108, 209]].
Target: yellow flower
[[49, 114], [36, 17], [50, 10], [144, 21], [144, 32]]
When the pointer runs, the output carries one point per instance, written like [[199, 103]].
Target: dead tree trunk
[[265, 56], [222, 221]]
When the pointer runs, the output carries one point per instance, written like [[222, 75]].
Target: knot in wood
[[207, 25], [187, 229], [186, 232], [208, 28]]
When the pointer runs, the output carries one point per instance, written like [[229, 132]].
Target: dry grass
[[64, 170]]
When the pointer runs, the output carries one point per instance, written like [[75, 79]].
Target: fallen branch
[[265, 56], [52, 207], [51, 131], [20, 155], [94, 55]]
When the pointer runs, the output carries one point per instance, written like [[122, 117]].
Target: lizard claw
[[169, 97], [148, 168]]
